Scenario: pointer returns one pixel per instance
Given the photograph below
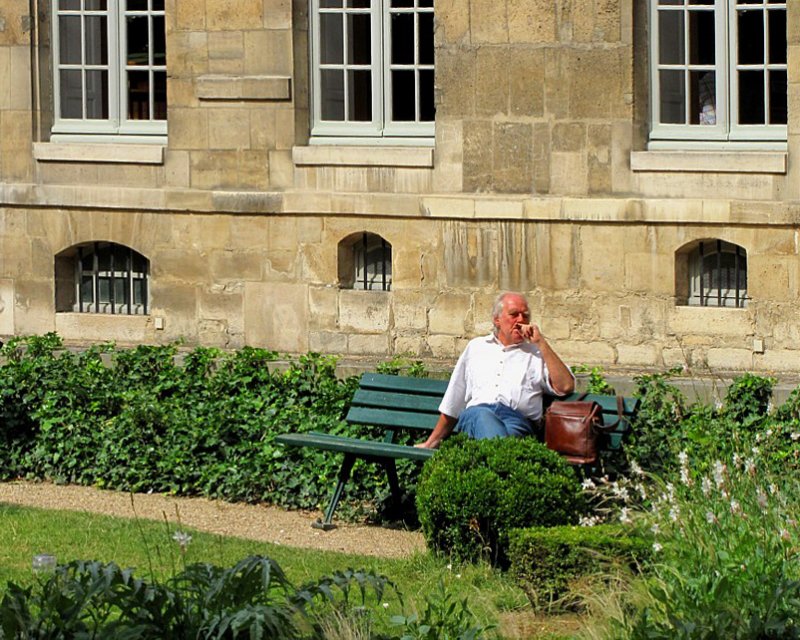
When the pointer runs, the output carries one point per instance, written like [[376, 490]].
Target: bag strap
[[606, 428]]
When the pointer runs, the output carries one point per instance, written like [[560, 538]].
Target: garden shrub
[[546, 561], [747, 400], [472, 492]]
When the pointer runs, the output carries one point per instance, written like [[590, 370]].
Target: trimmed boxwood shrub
[[472, 492], [545, 561]]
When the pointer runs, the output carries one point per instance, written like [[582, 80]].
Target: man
[[497, 385]]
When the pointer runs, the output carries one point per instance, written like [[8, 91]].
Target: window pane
[[673, 97], [359, 41], [330, 4], [87, 290], [425, 4], [330, 37], [670, 37], [97, 94], [425, 38], [158, 5], [69, 39], [95, 5], [427, 110], [358, 4], [751, 97], [777, 36], [402, 3], [138, 41], [103, 293], [69, 5], [403, 96], [138, 95], [96, 40], [402, 38], [669, 2], [359, 96], [332, 99], [138, 291], [750, 44], [701, 37], [159, 41], [777, 97], [703, 97], [120, 296], [137, 5], [71, 89], [159, 95]]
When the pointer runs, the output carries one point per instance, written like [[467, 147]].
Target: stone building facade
[[559, 163]]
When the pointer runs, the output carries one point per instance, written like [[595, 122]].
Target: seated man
[[497, 385]]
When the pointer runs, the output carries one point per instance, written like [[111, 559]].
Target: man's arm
[[561, 378], [444, 427]]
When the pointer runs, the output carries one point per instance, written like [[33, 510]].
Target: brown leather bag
[[572, 428]]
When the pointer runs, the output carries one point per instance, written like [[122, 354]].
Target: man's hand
[[427, 445], [531, 333]]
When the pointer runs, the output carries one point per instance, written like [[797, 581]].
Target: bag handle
[[606, 428]]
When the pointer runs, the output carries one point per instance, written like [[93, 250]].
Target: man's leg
[[480, 422], [515, 423]]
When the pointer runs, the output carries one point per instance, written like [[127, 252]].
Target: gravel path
[[255, 522]]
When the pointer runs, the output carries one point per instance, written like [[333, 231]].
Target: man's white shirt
[[488, 372]]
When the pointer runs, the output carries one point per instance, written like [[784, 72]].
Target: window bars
[[111, 279], [373, 263], [718, 275]]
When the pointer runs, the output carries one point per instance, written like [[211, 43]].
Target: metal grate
[[111, 278]]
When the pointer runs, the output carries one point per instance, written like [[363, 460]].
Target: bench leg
[[344, 476], [394, 484]]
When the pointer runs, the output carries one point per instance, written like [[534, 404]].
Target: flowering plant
[[726, 561]]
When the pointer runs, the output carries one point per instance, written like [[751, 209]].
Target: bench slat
[[391, 400], [356, 446], [418, 386], [390, 419]]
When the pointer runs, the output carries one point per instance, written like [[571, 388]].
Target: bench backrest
[[396, 402], [400, 402]]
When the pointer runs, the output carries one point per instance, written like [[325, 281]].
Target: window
[[718, 70], [372, 68], [110, 67], [365, 262], [717, 274], [102, 277]]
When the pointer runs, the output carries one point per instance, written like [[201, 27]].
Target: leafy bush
[[596, 382], [747, 400], [546, 561], [252, 599], [472, 492]]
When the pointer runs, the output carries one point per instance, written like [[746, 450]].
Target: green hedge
[[198, 423], [472, 492], [545, 561]]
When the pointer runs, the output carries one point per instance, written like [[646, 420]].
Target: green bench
[[399, 403]]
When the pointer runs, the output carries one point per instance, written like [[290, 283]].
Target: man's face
[[515, 312]]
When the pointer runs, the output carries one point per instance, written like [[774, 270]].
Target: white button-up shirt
[[488, 372]]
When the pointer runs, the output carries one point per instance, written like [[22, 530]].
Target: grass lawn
[[149, 548]]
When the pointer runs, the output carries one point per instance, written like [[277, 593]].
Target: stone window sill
[[710, 162], [99, 153], [363, 156]]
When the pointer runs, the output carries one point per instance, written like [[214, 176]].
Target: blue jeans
[[493, 421]]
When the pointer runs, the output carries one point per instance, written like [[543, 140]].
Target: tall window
[[102, 277], [718, 69], [372, 68], [365, 262], [110, 67], [717, 275]]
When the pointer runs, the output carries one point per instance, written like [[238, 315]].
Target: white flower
[[705, 486], [655, 529], [385, 605], [589, 521], [683, 458], [736, 460], [674, 513], [794, 435], [755, 451], [450, 567], [711, 518], [657, 547], [636, 469], [719, 473], [750, 466], [773, 489], [785, 535], [761, 498], [624, 516], [769, 432], [458, 575], [183, 539], [685, 479], [642, 492], [588, 484], [735, 507]]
